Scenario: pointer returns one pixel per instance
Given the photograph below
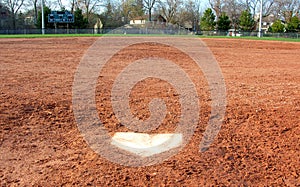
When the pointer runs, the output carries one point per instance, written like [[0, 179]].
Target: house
[[266, 22], [138, 21], [188, 25], [29, 20]]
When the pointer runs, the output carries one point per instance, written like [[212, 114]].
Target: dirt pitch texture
[[258, 145]]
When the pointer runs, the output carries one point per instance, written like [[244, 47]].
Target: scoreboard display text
[[60, 17]]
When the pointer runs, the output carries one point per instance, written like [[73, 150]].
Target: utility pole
[[43, 18], [260, 18]]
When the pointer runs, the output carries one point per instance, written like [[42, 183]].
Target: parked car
[[233, 32]]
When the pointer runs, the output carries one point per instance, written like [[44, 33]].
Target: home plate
[[144, 144]]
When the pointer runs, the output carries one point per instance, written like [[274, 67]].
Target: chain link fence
[[146, 30], [121, 30], [250, 34]]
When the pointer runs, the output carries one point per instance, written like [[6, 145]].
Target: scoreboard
[[60, 17]]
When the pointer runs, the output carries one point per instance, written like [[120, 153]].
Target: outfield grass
[[86, 35], [100, 35], [47, 35], [150, 35], [255, 38]]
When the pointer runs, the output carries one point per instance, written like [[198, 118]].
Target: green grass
[[86, 35], [149, 35], [255, 38], [135, 35], [47, 35]]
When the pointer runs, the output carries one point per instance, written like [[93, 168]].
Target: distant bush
[[277, 27]]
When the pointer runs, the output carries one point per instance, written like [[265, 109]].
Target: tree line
[[246, 22], [244, 15], [198, 14]]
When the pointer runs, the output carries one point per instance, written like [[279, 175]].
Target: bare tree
[[88, 6], [268, 6], [125, 10], [14, 7], [251, 5], [149, 4], [61, 6], [192, 13], [169, 9], [73, 5], [233, 8], [217, 6], [35, 9], [286, 9]]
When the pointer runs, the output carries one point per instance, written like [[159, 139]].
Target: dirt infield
[[258, 145]]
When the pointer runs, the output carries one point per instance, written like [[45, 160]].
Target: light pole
[[43, 19], [260, 18]]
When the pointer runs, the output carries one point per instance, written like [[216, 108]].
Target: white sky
[[54, 5], [204, 4]]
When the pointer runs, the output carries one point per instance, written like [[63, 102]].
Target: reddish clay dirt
[[258, 144]]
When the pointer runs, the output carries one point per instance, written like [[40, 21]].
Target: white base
[[144, 144]]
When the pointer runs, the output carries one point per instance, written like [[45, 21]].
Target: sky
[[204, 4]]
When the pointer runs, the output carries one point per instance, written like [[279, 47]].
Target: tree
[[217, 6], [233, 8], [169, 10], [285, 9], [61, 6], [207, 22], [293, 25], [113, 15], [131, 9], [268, 7], [188, 15], [193, 6], [34, 2], [149, 4], [14, 7], [73, 5], [223, 23], [107, 16], [251, 5], [246, 21], [47, 11], [88, 7], [136, 9], [4, 17], [125, 10], [277, 27], [79, 21]]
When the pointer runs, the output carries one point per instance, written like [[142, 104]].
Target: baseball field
[[258, 144]]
